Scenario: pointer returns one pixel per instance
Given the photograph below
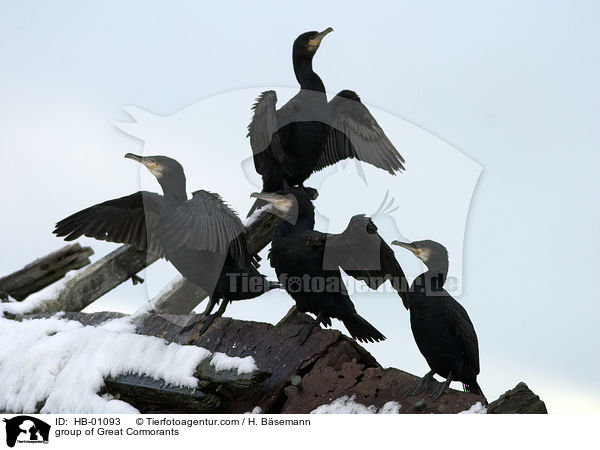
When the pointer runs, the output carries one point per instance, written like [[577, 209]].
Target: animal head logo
[[429, 200], [26, 429]]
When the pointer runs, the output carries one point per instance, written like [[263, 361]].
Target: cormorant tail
[[473, 388], [361, 330]]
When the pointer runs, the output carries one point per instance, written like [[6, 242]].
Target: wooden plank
[[213, 387], [148, 394], [181, 297], [97, 279], [44, 271]]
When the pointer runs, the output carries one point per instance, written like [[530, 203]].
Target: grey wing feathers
[[131, 220], [463, 330], [206, 222], [356, 134], [264, 122], [364, 255]]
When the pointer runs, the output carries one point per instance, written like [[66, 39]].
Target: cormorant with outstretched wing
[[308, 262]]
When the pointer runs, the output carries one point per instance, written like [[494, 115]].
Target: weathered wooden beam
[[258, 233], [226, 383], [213, 386], [97, 279], [146, 394], [180, 297], [44, 271]]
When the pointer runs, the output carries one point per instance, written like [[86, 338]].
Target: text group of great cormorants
[[205, 240]]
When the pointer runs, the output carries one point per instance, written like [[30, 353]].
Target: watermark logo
[[430, 200], [26, 430]]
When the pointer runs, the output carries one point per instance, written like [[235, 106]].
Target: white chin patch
[[156, 172], [424, 254], [284, 205]]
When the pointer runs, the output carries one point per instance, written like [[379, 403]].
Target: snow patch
[[221, 361], [255, 410], [348, 405], [390, 408], [34, 300], [477, 408], [61, 364], [256, 214]]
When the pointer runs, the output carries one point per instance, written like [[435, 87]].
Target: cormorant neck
[[304, 221], [173, 189], [305, 74], [434, 279]]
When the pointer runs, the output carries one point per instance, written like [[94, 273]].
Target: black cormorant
[[308, 262], [440, 325], [202, 237], [308, 133]]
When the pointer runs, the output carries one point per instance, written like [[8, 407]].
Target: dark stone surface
[[518, 400], [292, 378]]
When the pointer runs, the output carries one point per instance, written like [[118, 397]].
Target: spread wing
[[206, 222], [262, 128], [264, 139], [463, 329], [362, 254], [131, 220], [356, 134]]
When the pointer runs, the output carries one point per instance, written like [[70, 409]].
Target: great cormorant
[[308, 133], [308, 262], [202, 237], [441, 326]]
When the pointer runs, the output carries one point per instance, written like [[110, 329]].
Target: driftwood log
[[44, 271]]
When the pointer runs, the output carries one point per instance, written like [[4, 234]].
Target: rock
[[518, 400], [292, 378]]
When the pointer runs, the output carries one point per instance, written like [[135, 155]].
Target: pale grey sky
[[511, 85]]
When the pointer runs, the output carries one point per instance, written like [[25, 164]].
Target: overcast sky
[[497, 100]]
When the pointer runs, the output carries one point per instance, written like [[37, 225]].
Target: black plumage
[[309, 133], [308, 262], [441, 327], [202, 237]]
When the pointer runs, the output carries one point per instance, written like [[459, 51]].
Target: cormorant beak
[[282, 202], [408, 246], [314, 43], [150, 164]]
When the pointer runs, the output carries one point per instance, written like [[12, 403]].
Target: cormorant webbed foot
[[422, 385], [135, 279], [440, 388]]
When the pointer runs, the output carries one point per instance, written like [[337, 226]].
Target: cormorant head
[[292, 204], [160, 166], [308, 43], [430, 252]]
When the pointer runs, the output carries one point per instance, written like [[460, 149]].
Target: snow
[[477, 408], [348, 405], [34, 300], [256, 214], [62, 364], [255, 410], [150, 305], [243, 365]]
